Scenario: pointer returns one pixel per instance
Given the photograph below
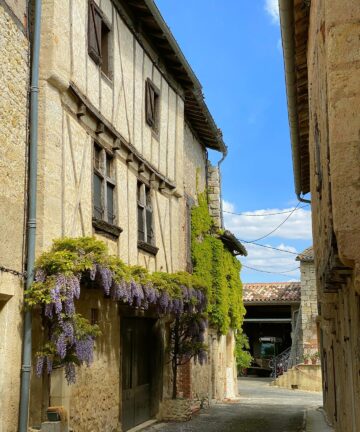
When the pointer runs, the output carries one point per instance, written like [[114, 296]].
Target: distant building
[[286, 312], [271, 314]]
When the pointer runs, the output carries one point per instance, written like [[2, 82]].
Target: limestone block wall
[[14, 72], [309, 307], [334, 96]]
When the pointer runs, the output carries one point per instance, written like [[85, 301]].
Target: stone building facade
[[321, 50], [14, 86], [123, 130], [308, 305]]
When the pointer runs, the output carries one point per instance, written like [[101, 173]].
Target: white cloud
[[254, 225], [272, 8], [272, 261]]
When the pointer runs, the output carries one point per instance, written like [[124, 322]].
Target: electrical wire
[[277, 249], [266, 271], [269, 247], [265, 214], [275, 229]]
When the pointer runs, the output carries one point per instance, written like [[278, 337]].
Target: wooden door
[[136, 371]]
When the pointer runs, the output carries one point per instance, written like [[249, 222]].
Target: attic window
[[152, 105], [99, 38]]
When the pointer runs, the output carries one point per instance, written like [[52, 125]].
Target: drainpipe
[[220, 185], [31, 222], [301, 199]]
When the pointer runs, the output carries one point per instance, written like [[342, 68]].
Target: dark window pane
[[110, 202], [105, 35], [98, 206], [149, 230], [141, 228], [97, 157], [108, 166], [148, 197]]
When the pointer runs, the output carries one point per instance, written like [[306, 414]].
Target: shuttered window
[[145, 214], [103, 186], [152, 108], [99, 38]]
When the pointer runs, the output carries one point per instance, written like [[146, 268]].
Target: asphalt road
[[261, 408]]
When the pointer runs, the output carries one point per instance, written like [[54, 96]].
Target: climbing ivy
[[218, 268]]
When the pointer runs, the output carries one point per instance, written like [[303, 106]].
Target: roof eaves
[[287, 24], [195, 105]]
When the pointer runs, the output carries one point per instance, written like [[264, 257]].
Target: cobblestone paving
[[261, 408]]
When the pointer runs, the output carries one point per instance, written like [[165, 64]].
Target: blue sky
[[234, 48]]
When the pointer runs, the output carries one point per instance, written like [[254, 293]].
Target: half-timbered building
[[123, 138]]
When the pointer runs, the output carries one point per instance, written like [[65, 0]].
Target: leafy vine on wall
[[218, 268]]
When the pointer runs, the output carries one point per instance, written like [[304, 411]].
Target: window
[[98, 38], [103, 186], [152, 102], [145, 214]]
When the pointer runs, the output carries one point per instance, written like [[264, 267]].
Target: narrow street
[[260, 408]]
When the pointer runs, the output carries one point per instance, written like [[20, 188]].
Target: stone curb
[[315, 421]]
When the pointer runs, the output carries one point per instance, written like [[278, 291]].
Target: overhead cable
[[266, 271], [275, 229], [265, 214]]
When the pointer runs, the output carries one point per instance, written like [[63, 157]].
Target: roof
[[150, 22], [294, 23], [307, 255], [232, 243], [283, 292]]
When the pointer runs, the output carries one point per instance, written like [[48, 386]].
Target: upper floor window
[[145, 214], [103, 186], [99, 38], [152, 105]]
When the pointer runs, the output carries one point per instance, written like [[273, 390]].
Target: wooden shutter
[[94, 32]]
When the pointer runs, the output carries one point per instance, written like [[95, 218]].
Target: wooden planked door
[[136, 350]]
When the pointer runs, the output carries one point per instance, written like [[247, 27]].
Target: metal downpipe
[[31, 222]]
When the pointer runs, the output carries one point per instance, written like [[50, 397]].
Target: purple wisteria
[[71, 345]]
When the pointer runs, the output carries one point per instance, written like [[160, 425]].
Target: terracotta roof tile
[[307, 255], [272, 292]]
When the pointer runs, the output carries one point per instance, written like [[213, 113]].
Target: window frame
[[101, 171], [94, 13], [144, 205], [153, 123]]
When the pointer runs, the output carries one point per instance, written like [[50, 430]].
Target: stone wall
[[214, 195], [334, 96], [309, 308], [14, 72]]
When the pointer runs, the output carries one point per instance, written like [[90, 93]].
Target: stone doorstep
[[315, 421]]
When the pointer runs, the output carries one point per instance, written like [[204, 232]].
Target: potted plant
[[315, 358], [307, 358]]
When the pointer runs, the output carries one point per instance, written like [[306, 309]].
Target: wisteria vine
[[73, 263]]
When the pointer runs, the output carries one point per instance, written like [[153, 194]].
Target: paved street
[[261, 409]]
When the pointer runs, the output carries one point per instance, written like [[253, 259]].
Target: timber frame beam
[[104, 126]]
